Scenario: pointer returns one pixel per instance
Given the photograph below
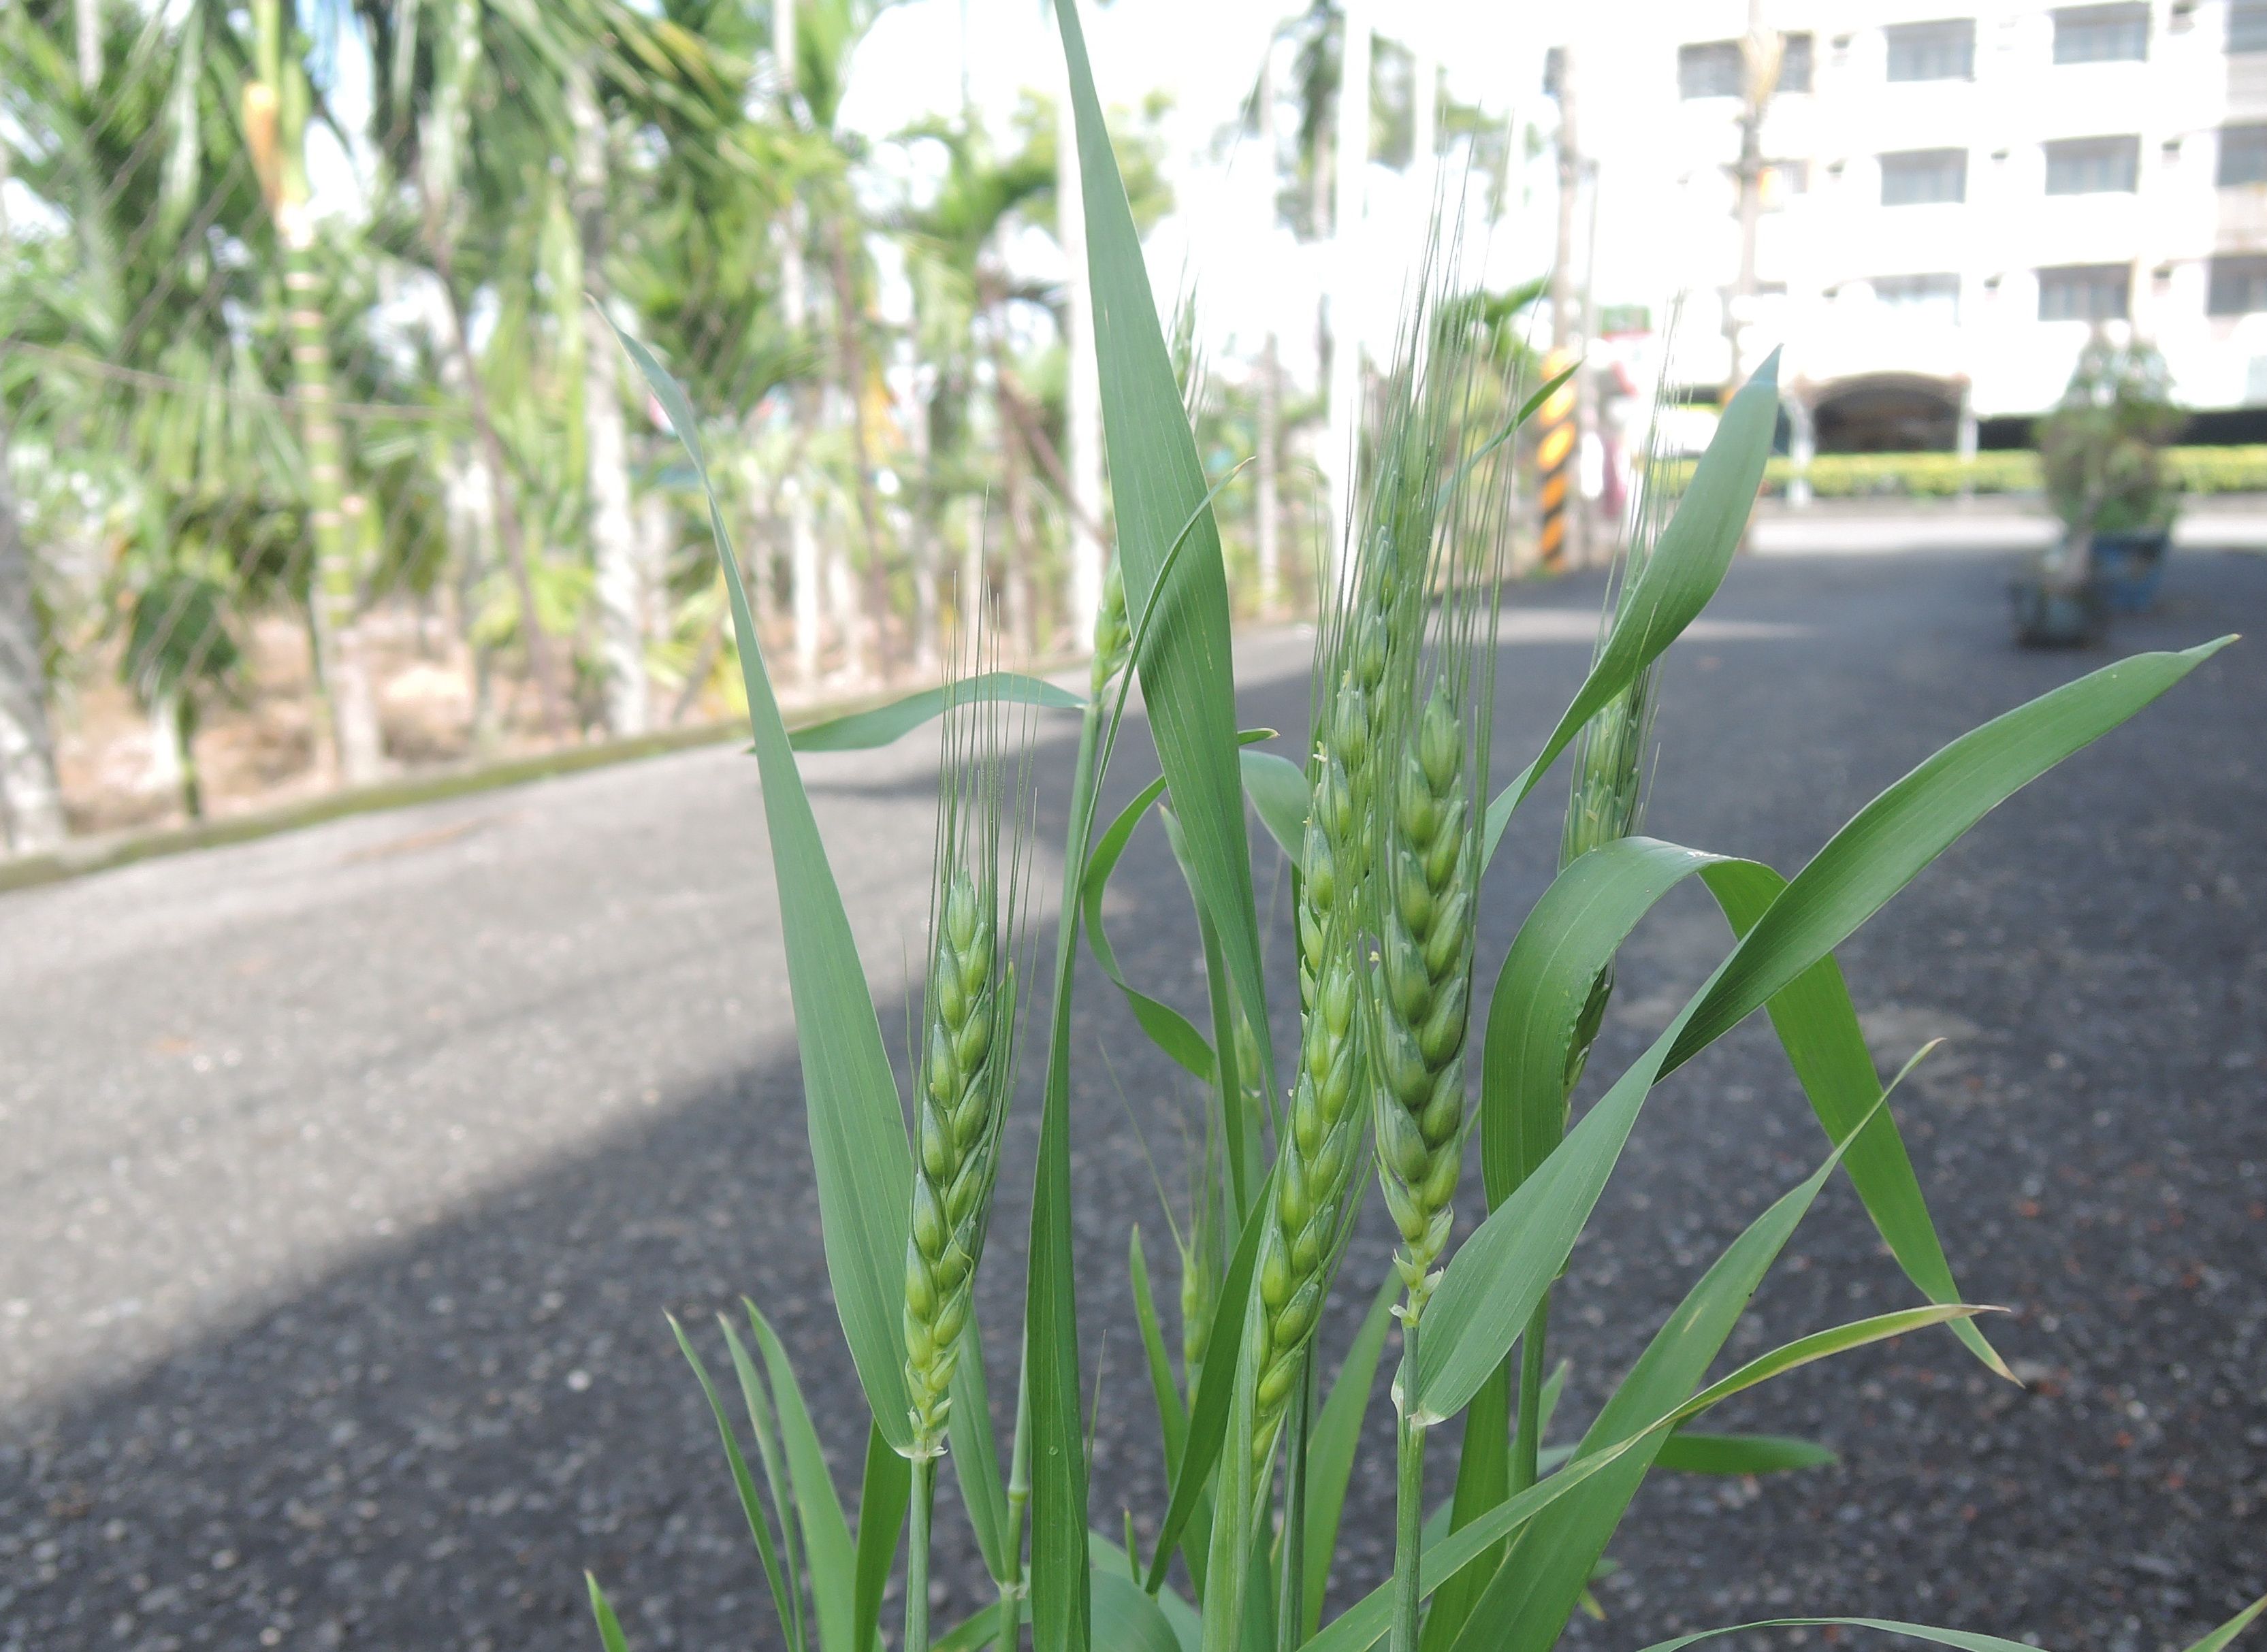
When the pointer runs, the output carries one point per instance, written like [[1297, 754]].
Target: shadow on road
[[426, 1444]]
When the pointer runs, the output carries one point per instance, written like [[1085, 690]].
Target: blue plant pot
[[2127, 568]]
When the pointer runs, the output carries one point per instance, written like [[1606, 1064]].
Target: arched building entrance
[[1887, 413]]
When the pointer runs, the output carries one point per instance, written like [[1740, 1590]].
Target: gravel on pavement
[[350, 1174]]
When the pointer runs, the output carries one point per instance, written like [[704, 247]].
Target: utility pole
[[1083, 390], [1343, 461], [1570, 545], [1760, 51]]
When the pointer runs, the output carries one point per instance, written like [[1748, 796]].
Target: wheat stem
[[1527, 1444], [923, 1502], [1409, 1493]]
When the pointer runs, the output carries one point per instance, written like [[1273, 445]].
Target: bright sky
[[1205, 56]]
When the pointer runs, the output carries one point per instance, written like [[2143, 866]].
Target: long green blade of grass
[[1208, 1412], [1889, 842], [763, 1421], [1961, 1640], [1168, 1028], [1567, 939], [1125, 1620], [863, 731], [1157, 485], [610, 1627], [1539, 996], [2232, 1628], [1543, 1577], [1495, 1278], [976, 1456], [1119, 1626], [1364, 1625], [1740, 1454], [1330, 1446], [1678, 579], [1173, 1412], [782, 1585], [882, 1493], [858, 1127], [1818, 1026], [1282, 798], [830, 1554]]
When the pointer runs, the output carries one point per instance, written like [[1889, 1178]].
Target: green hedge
[[2197, 470]]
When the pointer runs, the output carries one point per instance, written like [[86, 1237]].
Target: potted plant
[[2102, 453]]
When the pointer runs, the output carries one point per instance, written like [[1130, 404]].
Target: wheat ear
[[1423, 996]]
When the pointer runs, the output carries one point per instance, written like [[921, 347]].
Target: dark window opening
[[2101, 34], [2238, 286], [2093, 166], [1934, 298], [1944, 50], [1922, 177], [2242, 155], [1712, 69], [2085, 292], [1795, 63]]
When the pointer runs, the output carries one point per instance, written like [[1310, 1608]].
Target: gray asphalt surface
[[348, 1174]]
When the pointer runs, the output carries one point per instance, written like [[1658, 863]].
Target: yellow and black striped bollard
[[1554, 460]]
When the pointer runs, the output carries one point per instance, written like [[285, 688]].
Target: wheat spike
[[1423, 989]]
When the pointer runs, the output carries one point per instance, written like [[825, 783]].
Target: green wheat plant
[[1402, 1069]]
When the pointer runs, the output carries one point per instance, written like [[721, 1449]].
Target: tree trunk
[[1083, 388], [1022, 627], [849, 626], [975, 593], [185, 734], [927, 618], [458, 52], [168, 764], [342, 674], [803, 561], [1265, 491], [850, 363], [336, 517], [614, 534], [550, 694], [31, 799], [89, 19]]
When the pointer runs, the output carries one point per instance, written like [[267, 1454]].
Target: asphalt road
[[348, 1175]]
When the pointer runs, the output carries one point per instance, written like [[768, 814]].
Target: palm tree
[[962, 289], [816, 42], [31, 797], [276, 115], [138, 397]]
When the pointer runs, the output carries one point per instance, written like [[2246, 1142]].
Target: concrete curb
[[109, 850]]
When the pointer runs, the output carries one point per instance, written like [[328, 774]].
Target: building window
[[1922, 297], [1919, 177], [2085, 292], [2247, 27], [2242, 155], [1713, 69], [1784, 178], [2101, 34], [1944, 50], [2238, 287], [2093, 166], [1795, 63]]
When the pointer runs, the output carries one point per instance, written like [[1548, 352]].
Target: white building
[[1957, 193]]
